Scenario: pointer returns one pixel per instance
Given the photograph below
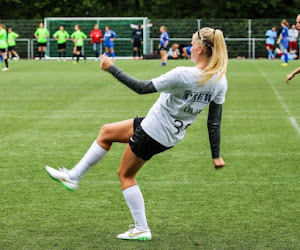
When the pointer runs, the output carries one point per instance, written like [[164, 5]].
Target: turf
[[51, 112]]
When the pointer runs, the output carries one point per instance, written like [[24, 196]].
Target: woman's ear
[[200, 49]]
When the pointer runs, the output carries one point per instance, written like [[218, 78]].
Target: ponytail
[[216, 51]]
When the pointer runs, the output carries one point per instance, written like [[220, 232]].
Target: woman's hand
[[218, 163], [106, 62], [289, 77]]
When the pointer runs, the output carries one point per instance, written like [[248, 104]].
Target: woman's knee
[[125, 175], [104, 131]]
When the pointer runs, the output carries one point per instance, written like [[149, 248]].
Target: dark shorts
[[137, 43], [271, 46], [163, 48], [142, 145], [61, 46], [2, 50], [42, 44], [11, 48], [78, 48]]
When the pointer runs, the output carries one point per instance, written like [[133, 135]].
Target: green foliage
[[11, 9], [51, 112]]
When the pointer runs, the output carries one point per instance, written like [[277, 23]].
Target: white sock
[[91, 157], [136, 204]]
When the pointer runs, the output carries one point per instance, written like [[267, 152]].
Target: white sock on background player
[[94, 155], [136, 204]]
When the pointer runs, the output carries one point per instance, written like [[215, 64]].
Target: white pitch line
[[295, 124], [292, 119]]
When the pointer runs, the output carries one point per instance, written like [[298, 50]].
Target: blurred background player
[[283, 41], [12, 36], [109, 36], [78, 37], [41, 34], [293, 37], [3, 45], [179, 46], [270, 41], [61, 36], [291, 54], [173, 52], [186, 52], [163, 45], [137, 40], [96, 35]]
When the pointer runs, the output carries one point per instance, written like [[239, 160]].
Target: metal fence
[[244, 37], [237, 47]]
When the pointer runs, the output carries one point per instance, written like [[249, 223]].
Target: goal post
[[121, 25]]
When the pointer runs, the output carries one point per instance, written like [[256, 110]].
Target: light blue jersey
[[271, 36]]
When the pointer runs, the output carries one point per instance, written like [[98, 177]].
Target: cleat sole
[[68, 188]]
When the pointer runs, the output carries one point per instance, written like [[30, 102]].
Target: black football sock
[[134, 53], [78, 56], [64, 54], [59, 55], [6, 62]]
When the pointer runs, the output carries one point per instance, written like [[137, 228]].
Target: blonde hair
[[164, 28], [216, 51], [285, 22]]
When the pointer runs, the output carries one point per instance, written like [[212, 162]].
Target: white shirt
[[182, 99], [293, 35]]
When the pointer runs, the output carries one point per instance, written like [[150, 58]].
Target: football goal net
[[121, 25]]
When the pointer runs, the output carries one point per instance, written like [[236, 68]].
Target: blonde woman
[[185, 91], [3, 45], [163, 45]]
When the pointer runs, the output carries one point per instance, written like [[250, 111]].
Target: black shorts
[[163, 48], [2, 50], [42, 44], [78, 48], [142, 145], [61, 45], [11, 48], [137, 43]]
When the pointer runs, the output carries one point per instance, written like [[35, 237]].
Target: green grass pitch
[[50, 113]]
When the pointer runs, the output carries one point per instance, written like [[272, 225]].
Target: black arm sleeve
[[140, 87], [214, 128]]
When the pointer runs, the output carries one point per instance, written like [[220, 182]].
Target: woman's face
[[61, 28], [161, 30], [195, 48], [41, 25], [96, 27]]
